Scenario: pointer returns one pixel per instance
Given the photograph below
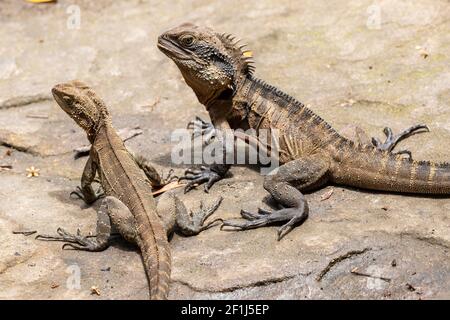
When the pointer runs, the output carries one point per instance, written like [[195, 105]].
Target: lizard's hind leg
[[157, 180], [305, 173], [111, 210], [357, 134], [173, 213], [392, 140], [194, 222]]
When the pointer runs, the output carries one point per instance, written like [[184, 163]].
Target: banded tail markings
[[422, 171], [393, 168], [383, 165], [432, 174], [413, 174]]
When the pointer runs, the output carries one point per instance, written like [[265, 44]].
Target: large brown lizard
[[311, 152], [128, 205]]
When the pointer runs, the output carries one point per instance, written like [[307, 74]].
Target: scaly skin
[[128, 204], [311, 152]]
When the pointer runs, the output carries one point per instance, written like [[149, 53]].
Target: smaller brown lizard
[[128, 205]]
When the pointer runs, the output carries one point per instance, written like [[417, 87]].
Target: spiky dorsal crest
[[242, 58]]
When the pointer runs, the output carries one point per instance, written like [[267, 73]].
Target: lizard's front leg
[[212, 174], [284, 186], [86, 192], [157, 180], [203, 129], [112, 212]]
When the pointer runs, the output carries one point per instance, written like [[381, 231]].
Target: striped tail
[[157, 261], [366, 167]]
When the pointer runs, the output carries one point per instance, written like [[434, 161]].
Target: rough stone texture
[[329, 54]]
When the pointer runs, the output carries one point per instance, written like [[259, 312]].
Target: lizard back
[[122, 178], [303, 133]]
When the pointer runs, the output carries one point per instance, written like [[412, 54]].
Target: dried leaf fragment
[[5, 167], [424, 54], [94, 290], [327, 195], [167, 187]]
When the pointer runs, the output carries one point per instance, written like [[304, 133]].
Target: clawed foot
[[392, 140], [79, 194], [77, 242], [197, 177], [198, 218], [202, 128], [170, 177], [264, 217]]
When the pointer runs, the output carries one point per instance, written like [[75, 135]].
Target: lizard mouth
[[171, 50], [60, 101]]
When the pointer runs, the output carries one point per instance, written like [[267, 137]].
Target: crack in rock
[[9, 264], [21, 101], [19, 148], [341, 258], [260, 283], [30, 150], [428, 239]]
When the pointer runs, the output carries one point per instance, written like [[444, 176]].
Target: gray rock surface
[[354, 62]]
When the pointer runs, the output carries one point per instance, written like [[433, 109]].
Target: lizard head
[[210, 63], [82, 104]]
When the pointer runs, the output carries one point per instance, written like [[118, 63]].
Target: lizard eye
[[187, 40]]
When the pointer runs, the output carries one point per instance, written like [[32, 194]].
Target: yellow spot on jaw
[[248, 54]]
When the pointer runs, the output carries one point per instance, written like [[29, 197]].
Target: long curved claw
[[196, 222], [74, 247], [198, 123], [205, 213], [75, 241], [202, 128], [78, 192], [62, 236], [197, 177], [212, 179], [392, 140], [248, 215], [170, 177], [293, 216]]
